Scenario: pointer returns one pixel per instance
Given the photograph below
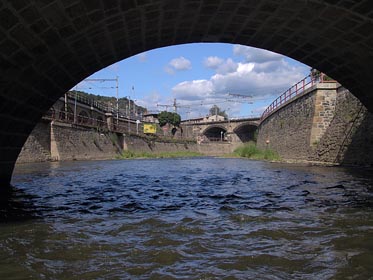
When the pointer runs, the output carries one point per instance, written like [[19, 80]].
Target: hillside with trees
[[123, 103]]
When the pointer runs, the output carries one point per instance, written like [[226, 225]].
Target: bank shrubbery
[[250, 150]]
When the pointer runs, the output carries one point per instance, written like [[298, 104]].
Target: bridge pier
[[325, 104]]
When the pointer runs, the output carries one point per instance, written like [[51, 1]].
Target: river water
[[199, 218]]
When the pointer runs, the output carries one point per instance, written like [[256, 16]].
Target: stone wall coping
[[319, 86]]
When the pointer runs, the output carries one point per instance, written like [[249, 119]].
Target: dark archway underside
[[215, 133], [46, 47], [246, 132]]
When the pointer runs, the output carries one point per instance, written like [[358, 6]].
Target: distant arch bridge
[[240, 130]]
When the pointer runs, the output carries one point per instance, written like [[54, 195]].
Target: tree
[[215, 110], [169, 118]]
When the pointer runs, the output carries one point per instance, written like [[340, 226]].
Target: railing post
[[304, 84]]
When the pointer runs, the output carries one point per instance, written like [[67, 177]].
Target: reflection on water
[[200, 218]]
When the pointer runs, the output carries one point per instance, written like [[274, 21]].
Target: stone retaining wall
[[288, 130], [78, 143], [349, 137], [323, 125], [37, 146], [59, 141]]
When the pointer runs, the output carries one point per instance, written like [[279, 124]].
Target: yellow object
[[150, 128]]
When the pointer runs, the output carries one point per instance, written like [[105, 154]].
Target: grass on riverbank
[[250, 150], [134, 155]]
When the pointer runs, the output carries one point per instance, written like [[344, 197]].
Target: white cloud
[[260, 74], [150, 101], [229, 66], [193, 90], [178, 64], [220, 65], [213, 62], [256, 55]]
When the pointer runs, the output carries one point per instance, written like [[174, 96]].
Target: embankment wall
[[349, 137], [288, 130], [58, 141], [55, 141], [323, 125], [38, 144]]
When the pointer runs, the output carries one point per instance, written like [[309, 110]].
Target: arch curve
[[246, 131], [47, 47], [215, 132]]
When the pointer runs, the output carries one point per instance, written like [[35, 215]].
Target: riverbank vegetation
[[250, 150], [134, 155]]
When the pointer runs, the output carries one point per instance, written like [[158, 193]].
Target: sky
[[241, 80]]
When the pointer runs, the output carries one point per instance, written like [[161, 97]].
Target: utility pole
[[129, 113], [175, 105], [76, 93], [134, 104], [117, 102], [129, 106], [66, 117]]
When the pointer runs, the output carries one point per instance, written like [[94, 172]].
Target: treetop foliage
[[215, 110], [165, 117]]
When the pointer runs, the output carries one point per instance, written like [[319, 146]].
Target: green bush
[[250, 150]]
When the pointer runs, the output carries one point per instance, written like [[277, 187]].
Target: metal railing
[[125, 126], [121, 126], [91, 102], [296, 90]]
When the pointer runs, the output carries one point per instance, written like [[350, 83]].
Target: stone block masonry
[[296, 127], [54, 141], [349, 137], [139, 144], [38, 144], [47, 47], [326, 124], [324, 109], [78, 143]]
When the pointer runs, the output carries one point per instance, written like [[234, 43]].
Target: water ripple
[[202, 218]]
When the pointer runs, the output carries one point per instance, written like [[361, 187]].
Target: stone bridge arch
[[215, 132], [83, 116], [246, 131], [46, 47]]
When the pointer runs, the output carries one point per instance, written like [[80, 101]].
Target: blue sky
[[199, 76]]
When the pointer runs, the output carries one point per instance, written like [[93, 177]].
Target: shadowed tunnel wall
[[46, 47]]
